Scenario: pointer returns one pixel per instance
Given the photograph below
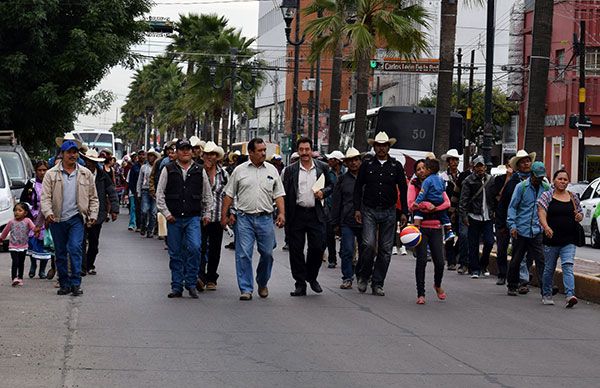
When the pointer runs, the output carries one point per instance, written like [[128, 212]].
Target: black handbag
[[579, 233]]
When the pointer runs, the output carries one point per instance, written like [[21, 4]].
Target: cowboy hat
[[68, 136], [453, 153], [514, 161], [352, 153], [235, 154], [92, 155], [335, 155], [382, 138], [153, 152], [211, 147], [195, 141]]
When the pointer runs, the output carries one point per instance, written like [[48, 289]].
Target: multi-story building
[[561, 148]]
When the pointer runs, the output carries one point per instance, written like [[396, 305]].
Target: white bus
[[97, 139]]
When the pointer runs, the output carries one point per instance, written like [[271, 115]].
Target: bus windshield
[[97, 140]]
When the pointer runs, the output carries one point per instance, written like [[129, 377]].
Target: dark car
[[16, 161]]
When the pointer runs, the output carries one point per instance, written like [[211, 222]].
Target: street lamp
[[233, 77], [289, 10]]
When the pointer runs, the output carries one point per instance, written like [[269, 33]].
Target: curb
[[586, 287]]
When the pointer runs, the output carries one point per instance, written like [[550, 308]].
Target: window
[[13, 164], [560, 64], [587, 194], [592, 61]]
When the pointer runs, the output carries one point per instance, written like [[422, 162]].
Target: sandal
[[421, 300], [440, 293]]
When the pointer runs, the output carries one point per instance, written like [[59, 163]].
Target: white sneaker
[[547, 300], [403, 250], [394, 251]]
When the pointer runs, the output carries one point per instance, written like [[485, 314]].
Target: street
[[124, 332], [588, 253]]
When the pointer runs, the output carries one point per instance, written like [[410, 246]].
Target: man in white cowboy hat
[[197, 147], [520, 164], [335, 161], [342, 215], [107, 196], [379, 182], [148, 204], [212, 231], [69, 201], [450, 176]]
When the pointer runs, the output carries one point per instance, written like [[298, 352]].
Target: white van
[[6, 201]]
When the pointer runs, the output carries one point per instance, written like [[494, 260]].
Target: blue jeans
[[567, 259], [463, 244], [248, 229], [382, 220], [349, 236], [132, 224], [184, 239], [68, 236], [148, 212]]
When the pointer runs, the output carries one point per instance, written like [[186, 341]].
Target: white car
[[6, 201], [590, 199]]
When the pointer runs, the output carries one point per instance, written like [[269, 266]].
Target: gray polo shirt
[[254, 188], [69, 186]]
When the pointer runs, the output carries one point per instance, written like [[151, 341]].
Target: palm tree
[[375, 23], [444, 84]]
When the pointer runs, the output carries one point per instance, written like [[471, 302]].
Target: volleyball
[[410, 236]]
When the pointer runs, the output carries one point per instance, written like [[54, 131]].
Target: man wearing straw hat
[[148, 204], [107, 196], [450, 176], [342, 215], [335, 160], [69, 201], [379, 182], [212, 232]]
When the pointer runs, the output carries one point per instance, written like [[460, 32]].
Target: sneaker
[[462, 270], [31, 274], [42, 275], [246, 296], [193, 293], [547, 300], [449, 236], [15, 282], [403, 251], [475, 275], [378, 290], [63, 291], [394, 250], [501, 281], [511, 292], [211, 286], [421, 300], [452, 267], [361, 285], [486, 272], [175, 294], [200, 285], [523, 290], [346, 285], [571, 301]]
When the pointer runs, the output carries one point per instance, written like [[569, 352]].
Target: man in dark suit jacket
[[307, 216]]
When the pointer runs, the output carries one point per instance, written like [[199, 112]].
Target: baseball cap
[[68, 145], [183, 143], [538, 169], [478, 160]]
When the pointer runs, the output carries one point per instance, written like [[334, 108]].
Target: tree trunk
[[538, 79], [362, 101], [444, 86], [225, 128], [336, 96]]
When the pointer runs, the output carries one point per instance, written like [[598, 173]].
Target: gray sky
[[244, 14]]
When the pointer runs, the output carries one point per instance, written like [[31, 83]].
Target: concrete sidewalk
[[124, 332]]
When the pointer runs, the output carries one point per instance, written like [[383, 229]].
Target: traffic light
[[375, 64]]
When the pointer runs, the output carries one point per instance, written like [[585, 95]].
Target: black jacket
[[290, 184], [342, 209], [107, 195], [471, 198], [378, 185], [184, 198]]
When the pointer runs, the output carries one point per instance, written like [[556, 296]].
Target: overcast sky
[[244, 14]]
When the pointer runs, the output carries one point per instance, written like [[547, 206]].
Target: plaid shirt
[[218, 191], [546, 198]]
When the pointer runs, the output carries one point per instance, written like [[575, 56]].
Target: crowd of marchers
[[191, 192]]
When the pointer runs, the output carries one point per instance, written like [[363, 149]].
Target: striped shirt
[[218, 191]]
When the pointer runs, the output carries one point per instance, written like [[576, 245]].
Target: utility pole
[[488, 127], [582, 119], [459, 75], [270, 127], [317, 98], [467, 149], [377, 92]]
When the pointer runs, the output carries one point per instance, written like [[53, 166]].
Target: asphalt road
[[124, 332], [588, 253]]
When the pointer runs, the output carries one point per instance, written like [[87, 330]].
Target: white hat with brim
[[68, 136], [153, 152], [514, 161], [382, 138], [335, 155], [352, 153], [295, 155], [211, 147], [92, 155], [195, 141], [453, 153]]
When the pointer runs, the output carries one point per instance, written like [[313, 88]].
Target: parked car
[[16, 161], [6, 201], [578, 188], [590, 199]]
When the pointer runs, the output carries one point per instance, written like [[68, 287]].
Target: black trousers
[[434, 239], [331, 253], [138, 211], [212, 238], [502, 241], [18, 264], [534, 250], [305, 226], [93, 239]]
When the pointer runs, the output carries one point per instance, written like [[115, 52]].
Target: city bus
[[119, 149], [412, 127], [98, 139]]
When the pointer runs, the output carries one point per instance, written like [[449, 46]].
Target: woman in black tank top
[[559, 212]]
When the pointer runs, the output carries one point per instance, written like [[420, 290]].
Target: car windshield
[[13, 164]]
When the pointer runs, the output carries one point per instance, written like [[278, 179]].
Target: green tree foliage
[[53, 52], [502, 109]]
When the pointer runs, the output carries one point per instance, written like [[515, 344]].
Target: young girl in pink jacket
[[18, 243]]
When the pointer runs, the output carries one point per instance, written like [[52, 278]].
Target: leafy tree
[[503, 108], [53, 53]]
